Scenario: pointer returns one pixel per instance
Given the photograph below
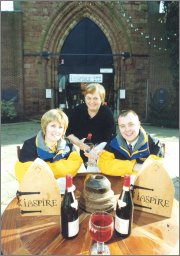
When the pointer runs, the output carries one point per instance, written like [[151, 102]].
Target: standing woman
[[50, 145], [91, 117]]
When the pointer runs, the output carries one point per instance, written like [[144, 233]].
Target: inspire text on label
[[153, 200], [37, 203]]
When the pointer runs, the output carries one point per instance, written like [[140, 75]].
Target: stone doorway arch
[[66, 17], [85, 57]]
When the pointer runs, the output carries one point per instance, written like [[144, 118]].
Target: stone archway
[[65, 19]]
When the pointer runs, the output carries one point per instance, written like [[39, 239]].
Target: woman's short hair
[[54, 115], [95, 87]]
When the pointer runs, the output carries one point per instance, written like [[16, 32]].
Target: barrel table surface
[[41, 235]]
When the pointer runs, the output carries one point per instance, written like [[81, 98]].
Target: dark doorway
[[85, 51]]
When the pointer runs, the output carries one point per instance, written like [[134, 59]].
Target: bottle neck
[[71, 188], [126, 182], [74, 203], [125, 188], [89, 137], [68, 181]]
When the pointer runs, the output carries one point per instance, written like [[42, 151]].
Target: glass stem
[[100, 247]]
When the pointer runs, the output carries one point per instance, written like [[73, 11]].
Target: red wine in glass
[[101, 227]]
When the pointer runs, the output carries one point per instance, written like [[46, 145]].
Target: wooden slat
[[41, 235], [10, 239]]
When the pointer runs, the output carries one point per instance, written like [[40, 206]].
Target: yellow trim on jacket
[[117, 167], [114, 167], [59, 168]]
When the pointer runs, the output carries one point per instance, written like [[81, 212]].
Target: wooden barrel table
[[41, 235]]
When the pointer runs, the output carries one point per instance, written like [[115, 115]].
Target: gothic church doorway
[[85, 57]]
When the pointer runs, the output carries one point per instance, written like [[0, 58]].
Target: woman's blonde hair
[[94, 87], [54, 115]]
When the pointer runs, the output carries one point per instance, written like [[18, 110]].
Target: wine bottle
[[124, 210], [69, 211], [88, 139]]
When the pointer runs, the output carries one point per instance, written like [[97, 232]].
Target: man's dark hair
[[126, 112]]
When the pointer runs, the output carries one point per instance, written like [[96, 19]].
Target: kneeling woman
[[49, 145]]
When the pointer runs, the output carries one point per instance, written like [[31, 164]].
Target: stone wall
[[46, 25], [12, 58]]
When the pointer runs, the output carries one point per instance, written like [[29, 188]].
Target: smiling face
[[93, 101], [54, 132], [129, 126]]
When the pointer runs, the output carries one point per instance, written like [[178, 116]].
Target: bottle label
[[73, 228], [121, 225], [74, 204], [121, 203]]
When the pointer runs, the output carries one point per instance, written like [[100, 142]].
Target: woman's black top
[[102, 125]]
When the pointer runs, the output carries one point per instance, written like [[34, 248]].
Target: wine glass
[[101, 227]]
